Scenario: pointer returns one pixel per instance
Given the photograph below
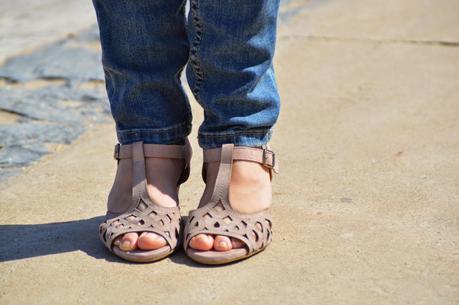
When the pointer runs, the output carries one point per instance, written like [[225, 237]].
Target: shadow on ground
[[33, 240]]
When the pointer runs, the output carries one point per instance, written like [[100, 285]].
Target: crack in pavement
[[439, 43]]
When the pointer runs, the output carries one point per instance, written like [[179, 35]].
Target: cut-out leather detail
[[148, 221], [233, 229]]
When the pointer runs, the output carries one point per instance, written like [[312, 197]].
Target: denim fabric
[[229, 47]]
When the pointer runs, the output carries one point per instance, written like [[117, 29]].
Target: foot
[[162, 177], [250, 192]]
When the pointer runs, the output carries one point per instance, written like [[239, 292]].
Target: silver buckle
[[116, 154], [265, 157]]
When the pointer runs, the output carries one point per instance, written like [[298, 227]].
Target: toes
[[202, 242], [222, 243], [117, 241], [150, 241], [237, 243], [129, 241]]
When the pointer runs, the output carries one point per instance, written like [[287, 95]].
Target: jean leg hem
[[238, 138], [167, 135]]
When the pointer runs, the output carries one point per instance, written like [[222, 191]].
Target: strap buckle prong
[[267, 151], [116, 154]]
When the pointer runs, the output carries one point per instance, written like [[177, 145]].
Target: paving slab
[[57, 88]]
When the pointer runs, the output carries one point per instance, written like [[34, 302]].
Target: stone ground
[[366, 204]]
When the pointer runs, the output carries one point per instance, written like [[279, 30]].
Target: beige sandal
[[217, 216], [143, 215]]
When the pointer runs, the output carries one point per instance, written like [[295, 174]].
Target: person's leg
[[144, 49], [231, 75]]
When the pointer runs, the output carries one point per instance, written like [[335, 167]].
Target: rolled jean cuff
[[168, 135], [258, 137]]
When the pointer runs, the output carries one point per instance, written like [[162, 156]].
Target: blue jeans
[[227, 47]]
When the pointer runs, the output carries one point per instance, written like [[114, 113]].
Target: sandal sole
[[137, 256], [218, 258]]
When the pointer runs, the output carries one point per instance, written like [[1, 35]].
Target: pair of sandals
[[216, 217]]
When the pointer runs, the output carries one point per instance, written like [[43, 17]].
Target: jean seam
[[194, 59]]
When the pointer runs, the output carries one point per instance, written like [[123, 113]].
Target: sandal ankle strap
[[263, 155], [138, 151], [155, 151], [226, 154]]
